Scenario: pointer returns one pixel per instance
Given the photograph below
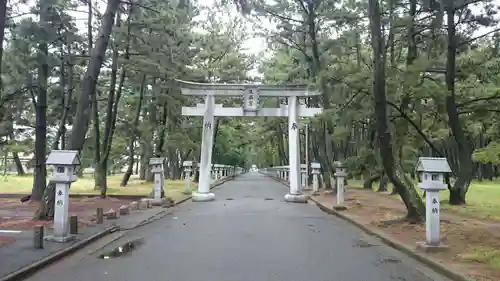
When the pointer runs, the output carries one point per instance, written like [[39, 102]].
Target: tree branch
[[417, 128], [140, 5], [292, 44], [478, 37], [301, 3], [479, 110], [493, 97], [279, 16]]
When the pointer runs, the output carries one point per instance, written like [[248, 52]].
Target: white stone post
[[203, 193], [315, 171], [187, 175], [61, 211], [340, 174], [64, 162], [294, 194], [432, 207], [217, 172], [303, 176], [432, 217], [158, 176], [188, 168]]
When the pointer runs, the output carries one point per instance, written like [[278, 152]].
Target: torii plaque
[[251, 107]]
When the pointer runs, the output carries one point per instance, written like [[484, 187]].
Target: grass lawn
[[483, 198], [85, 185]]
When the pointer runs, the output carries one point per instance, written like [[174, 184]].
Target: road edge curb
[[439, 268], [28, 270], [189, 197]]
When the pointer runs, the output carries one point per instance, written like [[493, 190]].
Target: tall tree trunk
[[98, 169], [382, 185], [215, 151], [162, 130], [114, 97], [144, 160], [414, 205], [15, 155], [196, 175], [315, 74], [101, 175], [130, 164], [134, 133], [465, 167], [97, 143], [19, 166], [62, 86], [40, 183], [369, 180], [151, 150], [316, 61], [329, 169], [82, 116], [66, 99], [3, 17]]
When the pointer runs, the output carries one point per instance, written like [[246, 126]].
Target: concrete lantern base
[[158, 201], [431, 248], [339, 207], [203, 197], [296, 198], [60, 239]]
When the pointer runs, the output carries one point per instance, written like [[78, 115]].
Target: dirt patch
[[17, 215], [474, 244], [6, 240]]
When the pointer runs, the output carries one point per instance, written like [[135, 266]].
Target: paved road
[[248, 234]]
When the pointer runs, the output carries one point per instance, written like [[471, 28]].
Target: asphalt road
[[247, 234]]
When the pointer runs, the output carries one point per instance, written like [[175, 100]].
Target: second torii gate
[[251, 108]]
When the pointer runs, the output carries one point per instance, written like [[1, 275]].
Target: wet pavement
[[247, 234]]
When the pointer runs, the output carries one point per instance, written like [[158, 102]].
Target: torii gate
[[250, 93]]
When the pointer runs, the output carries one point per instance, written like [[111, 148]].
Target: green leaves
[[488, 154]]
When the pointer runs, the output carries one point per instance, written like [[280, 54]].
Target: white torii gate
[[250, 93]]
